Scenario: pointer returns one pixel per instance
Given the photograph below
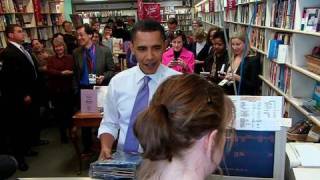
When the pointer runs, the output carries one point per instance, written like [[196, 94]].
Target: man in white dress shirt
[[148, 44]]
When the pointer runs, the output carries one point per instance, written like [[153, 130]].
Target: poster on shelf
[[203, 7], [37, 11], [211, 5], [140, 9], [231, 4], [151, 11]]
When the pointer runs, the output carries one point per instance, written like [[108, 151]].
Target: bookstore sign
[[149, 11], [231, 4]]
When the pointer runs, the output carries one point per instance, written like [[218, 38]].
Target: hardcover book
[[89, 101]]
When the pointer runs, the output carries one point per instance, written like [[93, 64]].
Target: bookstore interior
[[66, 116]]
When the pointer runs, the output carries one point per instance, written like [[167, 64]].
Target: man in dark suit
[[93, 66], [20, 82]]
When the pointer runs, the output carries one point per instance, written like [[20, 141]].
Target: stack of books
[[121, 166]]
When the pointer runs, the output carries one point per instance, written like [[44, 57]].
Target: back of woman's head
[[183, 109]]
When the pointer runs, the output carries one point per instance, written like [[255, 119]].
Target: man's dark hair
[[107, 27], [172, 21], [220, 35], [100, 36], [35, 39], [147, 26], [65, 22], [10, 29], [119, 23], [87, 29], [56, 35], [94, 22]]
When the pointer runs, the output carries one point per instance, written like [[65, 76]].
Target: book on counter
[[121, 166]]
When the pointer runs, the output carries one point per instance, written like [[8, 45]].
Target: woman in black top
[[218, 58], [200, 50], [244, 72]]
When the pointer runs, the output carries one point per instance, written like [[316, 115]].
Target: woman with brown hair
[[60, 73], [178, 57], [183, 131]]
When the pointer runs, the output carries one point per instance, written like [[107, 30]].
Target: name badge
[[92, 78]]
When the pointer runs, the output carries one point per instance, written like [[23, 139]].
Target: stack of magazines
[[121, 166]]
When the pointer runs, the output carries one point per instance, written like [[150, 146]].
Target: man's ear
[[210, 143], [10, 35]]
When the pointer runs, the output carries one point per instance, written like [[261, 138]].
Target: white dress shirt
[[121, 95], [200, 46]]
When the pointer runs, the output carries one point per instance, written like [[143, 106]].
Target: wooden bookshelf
[[36, 17], [183, 16], [291, 79], [293, 101]]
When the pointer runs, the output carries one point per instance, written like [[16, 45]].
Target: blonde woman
[[200, 49], [244, 69], [60, 73]]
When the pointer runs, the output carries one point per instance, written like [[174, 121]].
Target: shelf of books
[[102, 16], [286, 33], [182, 14], [39, 18], [211, 13]]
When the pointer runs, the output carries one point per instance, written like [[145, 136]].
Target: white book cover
[[101, 95], [283, 53], [117, 45]]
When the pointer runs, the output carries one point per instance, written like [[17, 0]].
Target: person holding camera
[[178, 57], [243, 70], [217, 62]]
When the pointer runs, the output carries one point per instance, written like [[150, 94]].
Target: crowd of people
[[186, 110]]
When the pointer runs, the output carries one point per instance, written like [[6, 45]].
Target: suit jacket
[[18, 78], [202, 55], [104, 63]]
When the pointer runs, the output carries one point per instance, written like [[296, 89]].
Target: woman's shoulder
[[168, 52], [186, 52]]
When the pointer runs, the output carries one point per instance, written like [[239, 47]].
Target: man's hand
[[106, 141], [67, 72], [198, 62], [105, 153], [172, 63], [100, 80]]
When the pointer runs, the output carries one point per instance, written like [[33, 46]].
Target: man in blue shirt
[[93, 66], [125, 89]]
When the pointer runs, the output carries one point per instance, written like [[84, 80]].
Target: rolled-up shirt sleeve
[[110, 121]]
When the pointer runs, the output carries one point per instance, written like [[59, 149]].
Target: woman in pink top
[[178, 57]]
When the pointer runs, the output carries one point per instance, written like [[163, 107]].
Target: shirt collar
[[90, 48], [154, 77], [16, 44], [202, 43]]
